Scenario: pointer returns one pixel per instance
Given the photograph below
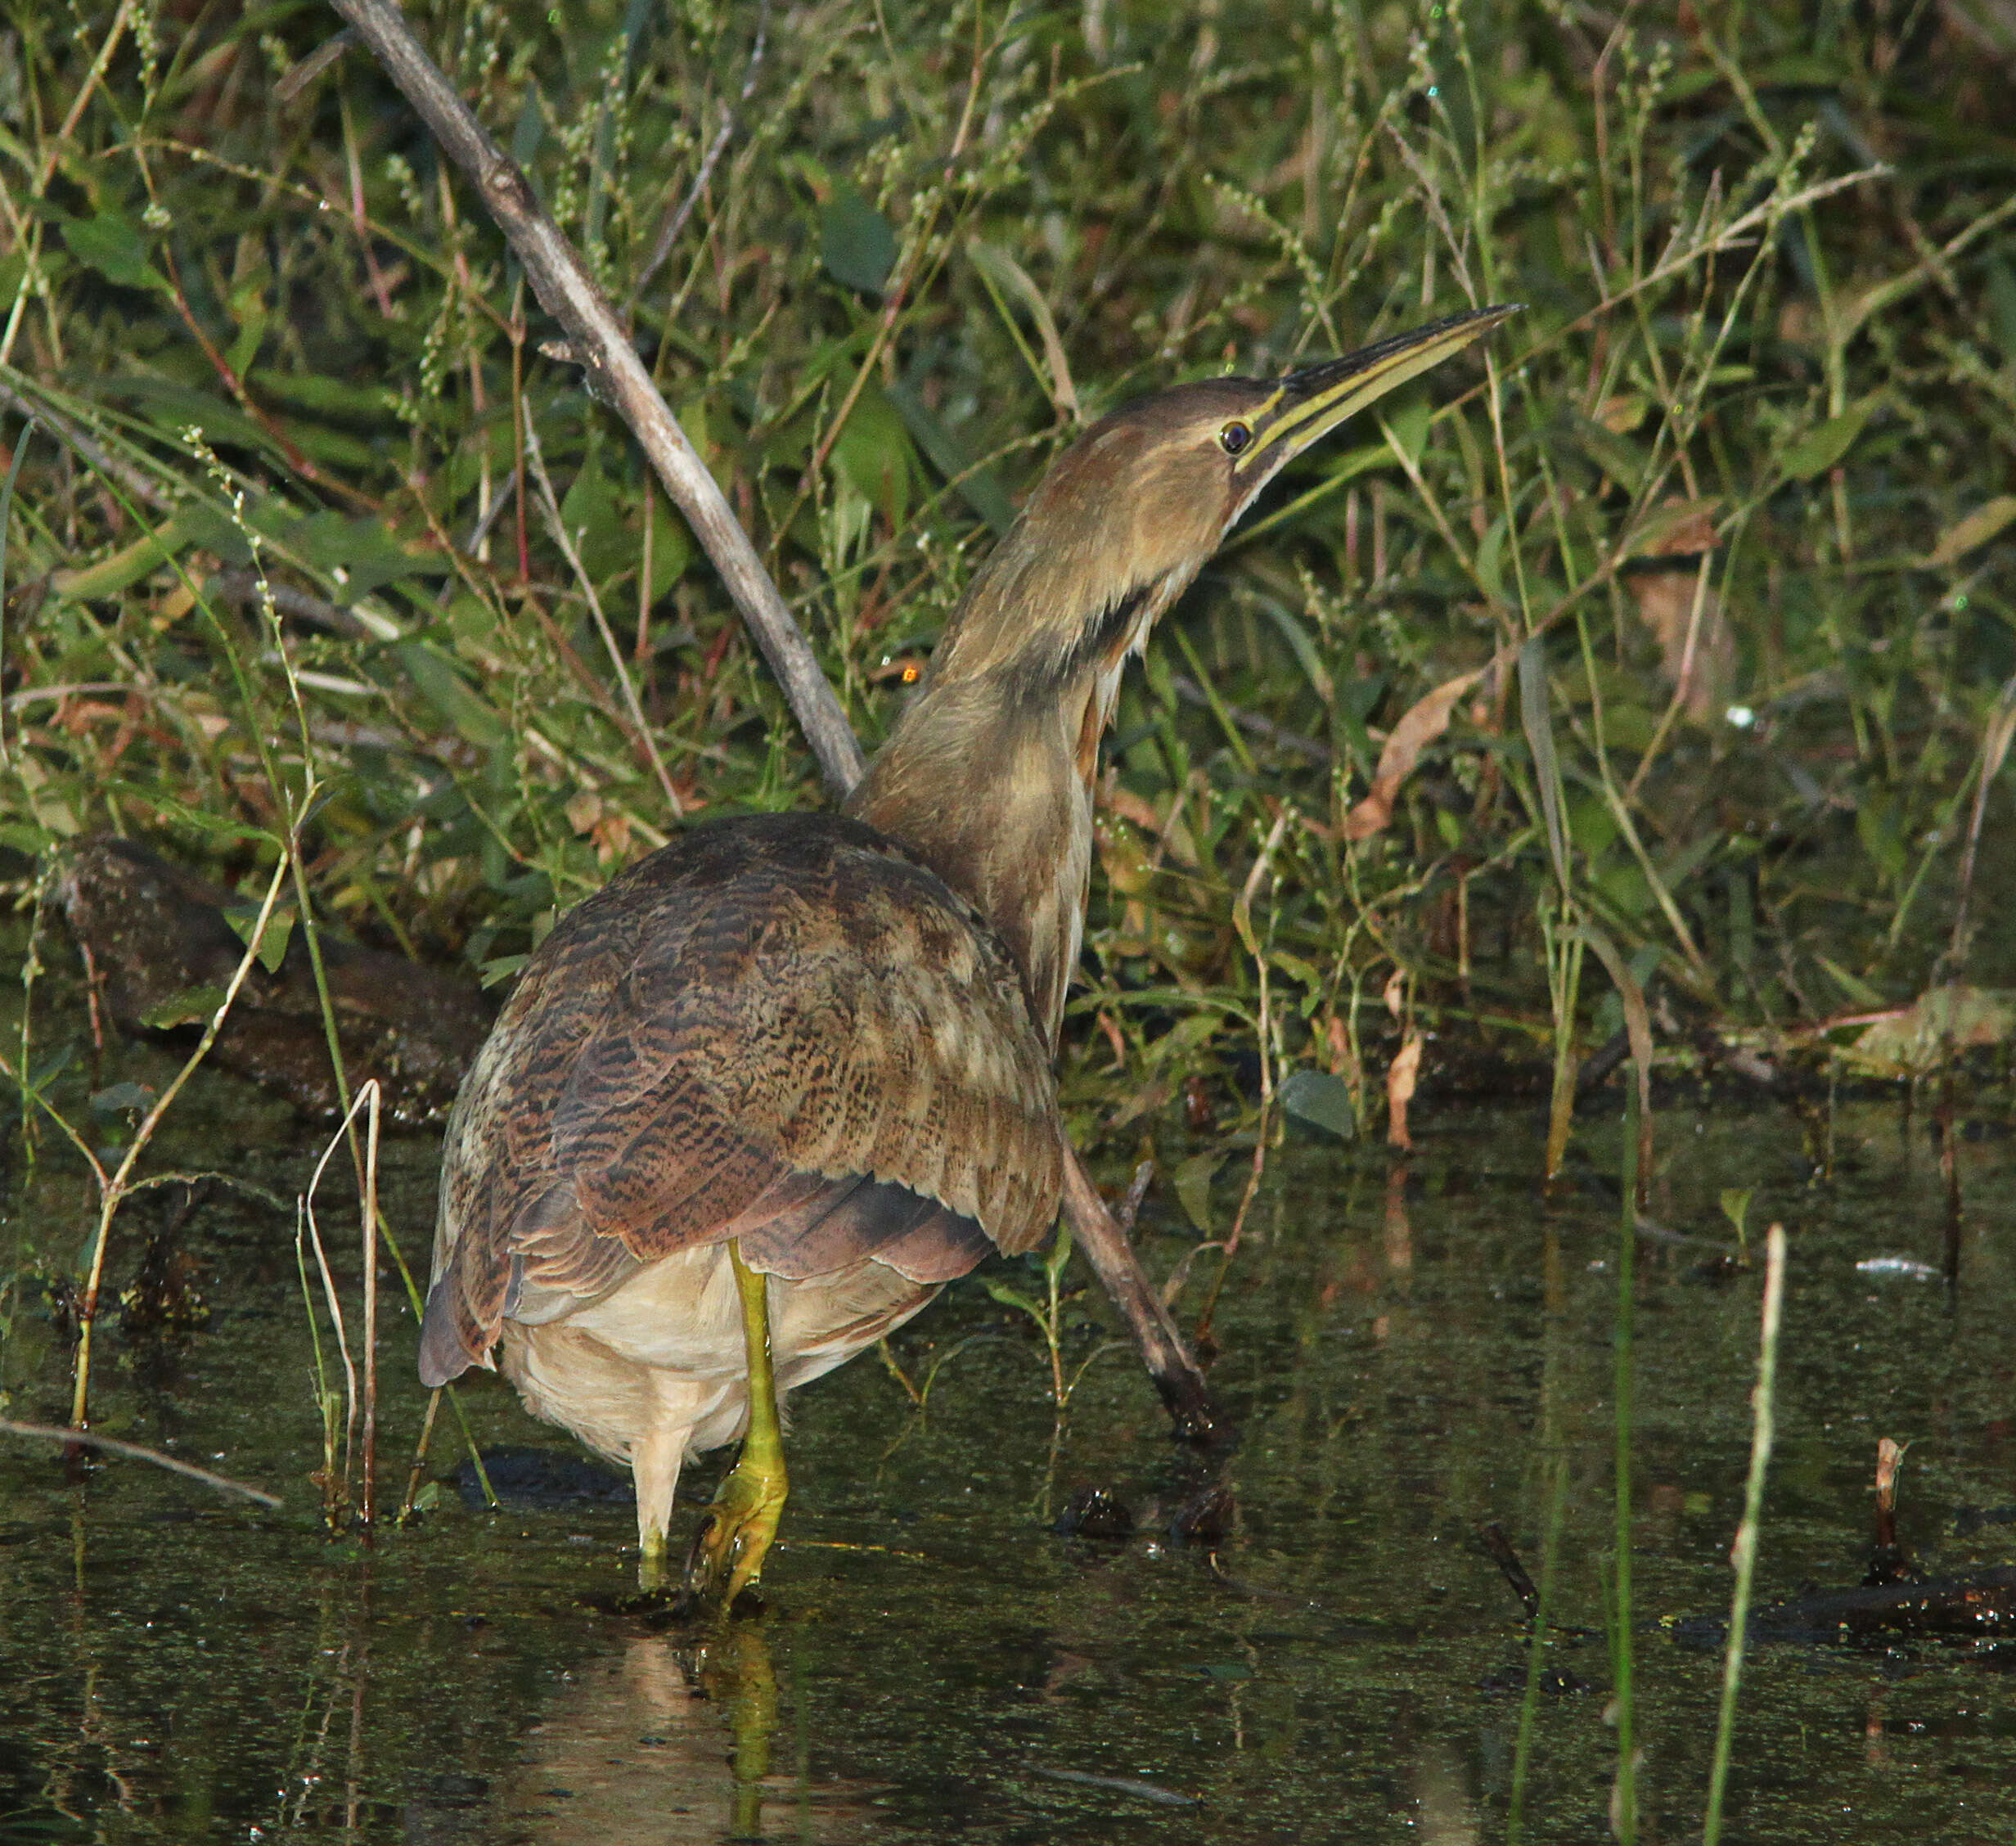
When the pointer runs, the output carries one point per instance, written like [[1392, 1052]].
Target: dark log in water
[[154, 937]]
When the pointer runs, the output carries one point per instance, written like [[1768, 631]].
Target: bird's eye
[[1233, 437]]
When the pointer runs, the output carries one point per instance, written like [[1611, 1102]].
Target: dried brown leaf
[[1964, 535], [1401, 1076], [1420, 726]]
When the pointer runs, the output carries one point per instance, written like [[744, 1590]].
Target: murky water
[[1411, 1351]]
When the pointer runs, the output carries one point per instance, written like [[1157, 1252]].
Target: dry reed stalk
[[360, 1404], [112, 1191], [1743, 1554]]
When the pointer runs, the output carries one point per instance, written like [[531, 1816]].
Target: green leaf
[[217, 825], [1490, 561], [1319, 1099], [368, 555], [1804, 71], [857, 243], [1304, 648], [171, 406], [442, 687], [874, 455], [1192, 1180], [594, 523], [1004, 277], [1736, 1208], [1353, 462], [2001, 302], [1653, 535], [1876, 827], [272, 947], [1591, 824], [117, 1098], [1407, 430], [1013, 1298], [192, 1007], [193, 525], [1186, 1036], [113, 245], [980, 488], [1637, 1022], [1620, 459], [315, 391], [1685, 863], [672, 549], [1859, 991], [248, 308], [1298, 970], [1819, 449], [1539, 736], [531, 128]]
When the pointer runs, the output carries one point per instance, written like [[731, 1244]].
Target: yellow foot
[[735, 1533]]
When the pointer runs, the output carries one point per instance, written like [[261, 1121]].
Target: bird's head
[[1128, 515]]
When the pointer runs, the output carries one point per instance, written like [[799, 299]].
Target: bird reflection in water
[[664, 1741]]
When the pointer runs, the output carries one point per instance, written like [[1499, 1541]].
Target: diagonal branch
[[570, 294]]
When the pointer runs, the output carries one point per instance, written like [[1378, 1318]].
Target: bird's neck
[[988, 778], [988, 773]]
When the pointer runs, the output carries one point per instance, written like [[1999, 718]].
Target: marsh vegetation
[[1640, 694]]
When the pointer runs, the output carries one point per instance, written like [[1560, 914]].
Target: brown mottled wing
[[782, 1030]]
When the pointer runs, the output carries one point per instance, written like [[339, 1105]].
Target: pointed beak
[[1310, 403]]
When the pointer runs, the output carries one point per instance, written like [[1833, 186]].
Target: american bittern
[[753, 1104]]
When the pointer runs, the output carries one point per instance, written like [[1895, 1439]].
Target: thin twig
[[1624, 1791], [94, 76], [419, 1458], [567, 290], [1994, 752], [51, 1432], [7, 526], [556, 527], [368, 1503], [73, 436], [708, 161], [1242, 922]]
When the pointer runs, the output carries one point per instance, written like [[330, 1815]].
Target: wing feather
[[782, 1029]]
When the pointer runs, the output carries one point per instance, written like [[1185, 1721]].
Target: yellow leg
[[735, 1535], [651, 1566]]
